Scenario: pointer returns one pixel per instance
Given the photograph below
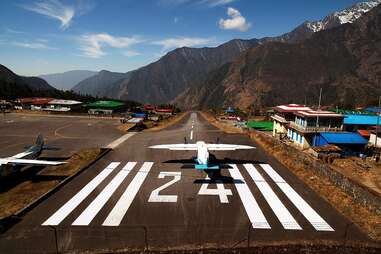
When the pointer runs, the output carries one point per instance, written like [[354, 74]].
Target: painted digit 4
[[220, 191], [155, 197]]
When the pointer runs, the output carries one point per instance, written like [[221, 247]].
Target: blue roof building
[[350, 140], [358, 122], [373, 109], [361, 120], [230, 110]]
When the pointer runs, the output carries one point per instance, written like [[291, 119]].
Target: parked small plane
[[28, 157], [202, 148]]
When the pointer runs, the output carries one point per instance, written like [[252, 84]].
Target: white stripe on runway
[[251, 206], [120, 209], [311, 215], [120, 140], [66, 209], [281, 212], [92, 210], [191, 134]]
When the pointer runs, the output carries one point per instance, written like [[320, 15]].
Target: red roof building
[[149, 107], [35, 101], [168, 111]]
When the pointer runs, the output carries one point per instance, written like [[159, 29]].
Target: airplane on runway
[[28, 157], [202, 148]]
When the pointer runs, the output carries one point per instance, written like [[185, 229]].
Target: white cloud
[[93, 44], [55, 9], [214, 3], [13, 31], [31, 45], [235, 22], [131, 53], [179, 42]]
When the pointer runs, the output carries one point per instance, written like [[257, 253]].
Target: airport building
[[106, 107], [283, 115], [164, 111], [310, 123], [47, 104], [58, 105]]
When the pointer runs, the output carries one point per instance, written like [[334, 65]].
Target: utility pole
[[378, 121], [317, 117]]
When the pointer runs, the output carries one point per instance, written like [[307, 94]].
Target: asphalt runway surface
[[68, 133], [137, 197]]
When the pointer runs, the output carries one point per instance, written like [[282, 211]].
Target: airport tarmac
[[136, 197], [69, 133]]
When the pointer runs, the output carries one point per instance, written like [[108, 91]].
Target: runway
[[137, 197]]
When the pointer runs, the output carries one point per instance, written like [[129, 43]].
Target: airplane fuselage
[[202, 153]]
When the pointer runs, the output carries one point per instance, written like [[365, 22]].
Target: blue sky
[[48, 36]]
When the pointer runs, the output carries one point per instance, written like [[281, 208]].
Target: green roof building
[[263, 126], [105, 107], [105, 104]]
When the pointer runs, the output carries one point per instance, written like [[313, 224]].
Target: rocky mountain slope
[[183, 68], [67, 80], [13, 85], [345, 61], [163, 80]]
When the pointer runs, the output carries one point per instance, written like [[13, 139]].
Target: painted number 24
[[221, 192]]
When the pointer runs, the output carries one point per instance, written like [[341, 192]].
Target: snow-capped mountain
[[348, 15], [335, 19]]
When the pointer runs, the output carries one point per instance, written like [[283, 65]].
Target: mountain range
[[344, 61], [13, 85], [339, 53], [67, 80], [206, 77]]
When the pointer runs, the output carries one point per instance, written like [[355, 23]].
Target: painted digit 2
[[221, 192], [155, 197]]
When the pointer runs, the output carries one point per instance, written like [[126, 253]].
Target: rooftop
[[344, 138], [266, 126], [291, 108], [64, 102], [318, 113], [361, 120], [105, 104]]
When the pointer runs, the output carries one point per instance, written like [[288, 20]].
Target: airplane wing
[[32, 162], [186, 147], [21, 155], [227, 147]]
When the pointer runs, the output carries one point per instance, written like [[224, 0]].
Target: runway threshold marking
[[67, 208], [251, 206], [281, 212], [311, 215], [92, 210], [120, 140], [120, 209]]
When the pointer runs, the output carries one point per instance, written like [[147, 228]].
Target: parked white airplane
[[27, 157], [202, 148]]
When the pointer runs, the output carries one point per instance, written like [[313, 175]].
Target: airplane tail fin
[[41, 144], [40, 141]]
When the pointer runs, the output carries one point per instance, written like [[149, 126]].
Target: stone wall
[[360, 193]]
